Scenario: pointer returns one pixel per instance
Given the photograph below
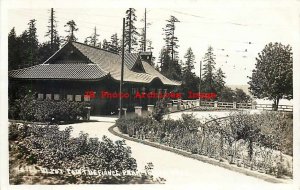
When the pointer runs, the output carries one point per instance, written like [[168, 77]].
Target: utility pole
[[51, 33], [95, 36], [129, 41], [145, 31], [122, 71], [200, 84]]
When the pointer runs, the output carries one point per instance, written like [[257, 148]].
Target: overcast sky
[[229, 26]]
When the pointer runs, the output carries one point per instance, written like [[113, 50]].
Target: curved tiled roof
[[60, 71], [102, 63]]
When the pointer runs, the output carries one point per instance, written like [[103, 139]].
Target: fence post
[[234, 105], [138, 110], [179, 105], [215, 104], [253, 105], [150, 108], [169, 106]]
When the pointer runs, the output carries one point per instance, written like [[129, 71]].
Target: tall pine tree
[[72, 28], [14, 59], [115, 43], [131, 34], [171, 40], [208, 71], [219, 81], [93, 40], [52, 45], [189, 80], [31, 45], [168, 57], [52, 29]]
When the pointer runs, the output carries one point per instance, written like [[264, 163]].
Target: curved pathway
[[176, 169]]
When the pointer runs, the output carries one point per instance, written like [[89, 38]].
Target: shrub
[[254, 141], [49, 147], [160, 109], [30, 109]]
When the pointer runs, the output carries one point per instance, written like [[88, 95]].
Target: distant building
[[79, 68]]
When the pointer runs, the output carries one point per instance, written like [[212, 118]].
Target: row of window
[[78, 98], [70, 97]]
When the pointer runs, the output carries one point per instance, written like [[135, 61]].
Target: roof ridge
[[95, 47]]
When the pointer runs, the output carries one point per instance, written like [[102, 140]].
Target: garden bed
[[239, 141]]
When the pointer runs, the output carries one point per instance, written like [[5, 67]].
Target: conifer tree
[[93, 40], [131, 33], [72, 28], [14, 58], [208, 71]]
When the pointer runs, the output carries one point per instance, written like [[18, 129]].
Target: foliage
[[48, 147], [14, 54], [160, 109], [72, 27], [30, 109], [229, 95], [272, 77], [131, 34], [241, 96], [171, 40], [115, 43], [168, 58], [92, 40], [219, 80], [53, 43], [208, 71], [252, 141], [169, 68]]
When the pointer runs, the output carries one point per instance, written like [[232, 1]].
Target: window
[[40, 96], [70, 97], [56, 96], [77, 98], [48, 96]]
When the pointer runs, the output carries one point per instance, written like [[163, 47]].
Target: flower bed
[[242, 139]]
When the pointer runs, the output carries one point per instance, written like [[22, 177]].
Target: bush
[[252, 141], [49, 147], [30, 109], [160, 109]]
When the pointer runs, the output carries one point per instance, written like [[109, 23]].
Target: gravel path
[[177, 169]]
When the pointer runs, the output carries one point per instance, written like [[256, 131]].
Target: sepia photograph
[[135, 94]]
